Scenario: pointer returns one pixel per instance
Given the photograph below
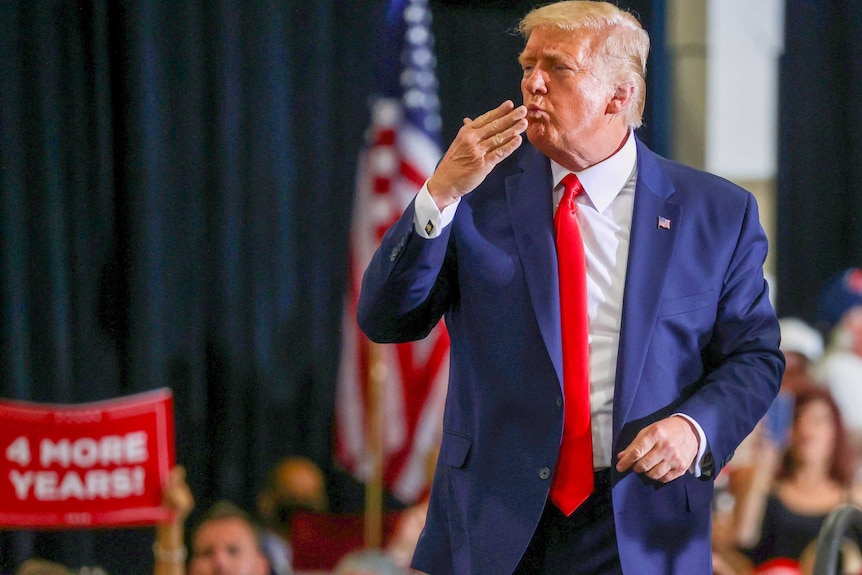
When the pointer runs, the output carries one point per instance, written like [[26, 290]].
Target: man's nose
[[222, 564], [534, 81]]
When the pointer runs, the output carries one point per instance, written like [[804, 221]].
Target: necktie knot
[[568, 208], [572, 187]]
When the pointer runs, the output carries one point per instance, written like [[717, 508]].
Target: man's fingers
[[652, 463], [662, 451], [496, 136], [633, 453], [491, 115], [649, 464], [504, 137], [503, 129], [505, 150], [489, 131], [496, 127]]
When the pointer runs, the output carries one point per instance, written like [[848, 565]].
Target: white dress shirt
[[605, 218]]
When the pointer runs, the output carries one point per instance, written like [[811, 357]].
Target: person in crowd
[[802, 346], [408, 528], [790, 493], [839, 317], [402, 543], [227, 542], [841, 370], [597, 459], [169, 549], [838, 294], [293, 484]]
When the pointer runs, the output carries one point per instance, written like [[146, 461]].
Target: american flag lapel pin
[[663, 223]]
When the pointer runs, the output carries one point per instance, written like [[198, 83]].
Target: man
[[683, 342], [293, 484], [226, 542]]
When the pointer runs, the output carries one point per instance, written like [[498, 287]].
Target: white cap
[[798, 336]]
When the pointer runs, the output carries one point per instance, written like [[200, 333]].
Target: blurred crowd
[[798, 465], [228, 540], [801, 461]]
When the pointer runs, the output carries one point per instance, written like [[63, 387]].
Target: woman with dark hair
[[791, 493]]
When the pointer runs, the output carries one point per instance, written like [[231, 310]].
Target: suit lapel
[[651, 246], [531, 212]]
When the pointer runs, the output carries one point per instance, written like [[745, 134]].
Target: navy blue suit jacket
[[698, 336]]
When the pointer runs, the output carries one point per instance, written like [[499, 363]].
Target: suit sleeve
[[743, 364], [406, 287]]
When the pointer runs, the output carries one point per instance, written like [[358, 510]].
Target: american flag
[[402, 149]]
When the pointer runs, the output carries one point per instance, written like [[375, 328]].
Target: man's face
[[226, 547], [565, 98]]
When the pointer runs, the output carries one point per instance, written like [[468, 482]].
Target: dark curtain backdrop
[[820, 150], [176, 180]]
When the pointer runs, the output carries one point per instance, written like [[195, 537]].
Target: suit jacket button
[[559, 401], [544, 473]]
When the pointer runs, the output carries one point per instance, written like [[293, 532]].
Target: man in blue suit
[[683, 342]]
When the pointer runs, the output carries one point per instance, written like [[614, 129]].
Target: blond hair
[[622, 54]]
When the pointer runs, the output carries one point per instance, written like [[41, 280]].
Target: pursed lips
[[535, 113]]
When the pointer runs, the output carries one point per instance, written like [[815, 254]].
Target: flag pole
[[374, 485]]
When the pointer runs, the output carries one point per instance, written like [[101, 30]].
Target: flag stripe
[[402, 152]]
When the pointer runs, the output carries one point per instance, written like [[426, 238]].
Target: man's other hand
[[662, 451]]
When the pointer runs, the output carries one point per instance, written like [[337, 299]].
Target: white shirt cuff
[[696, 468], [428, 220]]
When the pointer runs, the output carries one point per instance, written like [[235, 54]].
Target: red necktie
[[573, 479]]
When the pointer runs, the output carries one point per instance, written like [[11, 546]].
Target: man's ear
[[621, 100]]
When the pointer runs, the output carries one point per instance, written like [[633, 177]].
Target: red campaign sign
[[99, 464]]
